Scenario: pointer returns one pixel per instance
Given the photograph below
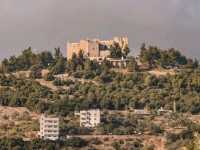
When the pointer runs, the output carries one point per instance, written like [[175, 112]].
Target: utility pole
[[174, 106]]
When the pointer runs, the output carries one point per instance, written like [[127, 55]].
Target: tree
[[59, 66], [57, 53], [143, 53], [132, 65], [36, 71], [126, 51], [116, 51], [46, 58], [116, 145], [26, 60], [156, 57]]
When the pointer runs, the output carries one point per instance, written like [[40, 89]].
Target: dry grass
[[48, 84], [162, 72], [18, 122]]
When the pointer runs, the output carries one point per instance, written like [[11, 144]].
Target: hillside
[[51, 84], [18, 122]]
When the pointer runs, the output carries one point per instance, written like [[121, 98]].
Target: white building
[[141, 112], [49, 127], [90, 118], [163, 111]]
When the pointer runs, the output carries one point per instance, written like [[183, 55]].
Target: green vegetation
[[156, 57], [29, 60], [117, 52], [187, 137], [117, 124], [19, 144], [110, 90], [94, 85]]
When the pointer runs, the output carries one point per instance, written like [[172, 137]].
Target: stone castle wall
[[91, 48]]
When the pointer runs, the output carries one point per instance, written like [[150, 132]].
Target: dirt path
[[48, 84], [163, 72]]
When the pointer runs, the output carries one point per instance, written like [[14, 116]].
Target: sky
[[46, 24]]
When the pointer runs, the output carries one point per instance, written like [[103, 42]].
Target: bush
[[69, 82], [76, 142], [58, 82], [49, 77], [95, 141], [36, 72], [155, 129]]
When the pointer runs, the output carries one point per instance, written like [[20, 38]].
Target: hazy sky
[[45, 24]]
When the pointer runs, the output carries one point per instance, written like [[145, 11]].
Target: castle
[[95, 48]]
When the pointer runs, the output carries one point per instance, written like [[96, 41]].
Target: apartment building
[[90, 118], [95, 48], [49, 127]]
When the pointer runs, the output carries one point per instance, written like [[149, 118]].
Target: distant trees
[[155, 57], [29, 60], [59, 66], [22, 62], [115, 51], [46, 59], [118, 52], [108, 89], [81, 67], [26, 60], [19, 144], [102, 88], [134, 90]]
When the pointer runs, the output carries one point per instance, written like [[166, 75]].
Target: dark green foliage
[[116, 51], [79, 67], [107, 89], [135, 90], [118, 125], [59, 82], [136, 145], [72, 130], [19, 144], [29, 60], [26, 60], [76, 142], [155, 129], [116, 145], [156, 57], [27, 93], [59, 67], [46, 59], [36, 72]]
